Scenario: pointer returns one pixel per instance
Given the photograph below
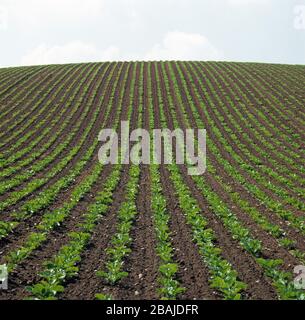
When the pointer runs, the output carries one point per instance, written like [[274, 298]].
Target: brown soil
[[143, 263]]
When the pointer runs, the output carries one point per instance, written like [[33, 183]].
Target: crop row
[[286, 97], [38, 166], [18, 95], [273, 105], [281, 280], [42, 103], [272, 204], [267, 150], [223, 277], [64, 264], [26, 77], [47, 196], [255, 162], [51, 220]]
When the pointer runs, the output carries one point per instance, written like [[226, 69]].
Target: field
[[71, 228]]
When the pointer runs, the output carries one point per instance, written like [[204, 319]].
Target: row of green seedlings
[[51, 220], [266, 170], [298, 221], [265, 143], [283, 90], [10, 77], [25, 96], [288, 74], [120, 243], [201, 125], [253, 245], [275, 230], [56, 96], [33, 185], [38, 166], [14, 76], [289, 148], [22, 87], [78, 96], [223, 277], [287, 132], [61, 97], [272, 204], [282, 281], [294, 87], [26, 78], [63, 266], [43, 103], [170, 287], [73, 152], [254, 159], [10, 74], [236, 72], [290, 120], [46, 197], [10, 162], [278, 115], [17, 130]]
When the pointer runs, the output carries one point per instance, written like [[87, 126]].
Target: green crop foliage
[[57, 200]]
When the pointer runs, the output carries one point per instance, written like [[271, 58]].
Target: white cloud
[[72, 52], [174, 46], [248, 2], [184, 46]]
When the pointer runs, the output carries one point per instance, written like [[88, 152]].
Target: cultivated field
[[71, 228]]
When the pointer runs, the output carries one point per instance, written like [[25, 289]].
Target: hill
[[152, 231]]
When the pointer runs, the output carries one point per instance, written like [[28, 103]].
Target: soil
[[143, 263]]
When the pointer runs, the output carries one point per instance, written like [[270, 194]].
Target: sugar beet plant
[[245, 213]]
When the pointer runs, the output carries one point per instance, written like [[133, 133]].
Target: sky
[[34, 32]]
